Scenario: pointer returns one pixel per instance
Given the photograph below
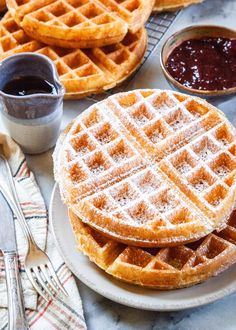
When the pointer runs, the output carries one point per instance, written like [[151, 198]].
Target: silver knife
[[16, 310]]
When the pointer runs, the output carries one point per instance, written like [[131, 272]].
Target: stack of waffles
[[149, 178], [95, 44]]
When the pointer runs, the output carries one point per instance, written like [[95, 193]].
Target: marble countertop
[[100, 313]]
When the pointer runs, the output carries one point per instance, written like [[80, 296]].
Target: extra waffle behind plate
[[80, 23], [163, 269], [149, 168], [171, 5], [82, 72]]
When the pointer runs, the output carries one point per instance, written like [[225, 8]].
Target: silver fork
[[38, 266]]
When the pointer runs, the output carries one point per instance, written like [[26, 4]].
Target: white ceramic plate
[[123, 293]]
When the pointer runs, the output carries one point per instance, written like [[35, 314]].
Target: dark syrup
[[28, 85]]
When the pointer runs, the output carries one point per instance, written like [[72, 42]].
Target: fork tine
[[42, 283], [56, 279], [50, 282], [35, 285]]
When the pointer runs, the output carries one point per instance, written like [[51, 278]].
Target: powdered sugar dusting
[[115, 158], [140, 120], [156, 136], [184, 168], [205, 154], [201, 185], [222, 171]]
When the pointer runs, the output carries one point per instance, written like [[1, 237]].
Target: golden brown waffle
[[170, 5], [149, 167], [82, 72], [164, 269], [80, 23]]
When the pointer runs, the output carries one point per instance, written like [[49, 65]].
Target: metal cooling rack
[[156, 27]]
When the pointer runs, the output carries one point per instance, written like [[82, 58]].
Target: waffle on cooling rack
[[164, 269], [149, 167], [169, 5], [80, 23], [82, 72]]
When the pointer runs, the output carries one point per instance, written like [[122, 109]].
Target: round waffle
[[80, 23], [149, 167], [164, 269], [82, 72], [171, 5]]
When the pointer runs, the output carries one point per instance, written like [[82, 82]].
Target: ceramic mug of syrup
[[32, 101]]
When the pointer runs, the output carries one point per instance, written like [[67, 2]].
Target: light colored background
[[100, 313]]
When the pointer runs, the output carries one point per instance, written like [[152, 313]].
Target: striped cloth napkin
[[41, 315]]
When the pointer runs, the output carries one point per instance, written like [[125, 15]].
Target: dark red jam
[[204, 64]]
